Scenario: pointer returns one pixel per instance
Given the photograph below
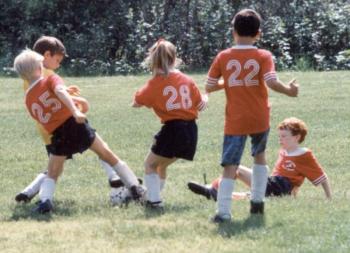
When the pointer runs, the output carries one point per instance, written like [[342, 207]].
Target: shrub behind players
[[49, 103], [176, 100], [294, 164], [247, 72]]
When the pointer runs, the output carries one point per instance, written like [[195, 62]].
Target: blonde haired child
[[176, 100], [53, 52], [49, 103]]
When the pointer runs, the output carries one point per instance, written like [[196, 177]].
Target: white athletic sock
[[259, 181], [34, 187], [162, 184], [152, 183], [224, 197], [110, 172], [126, 174], [47, 189]]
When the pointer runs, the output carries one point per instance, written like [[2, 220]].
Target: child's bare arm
[[327, 188], [64, 96], [212, 88], [81, 103], [291, 89]]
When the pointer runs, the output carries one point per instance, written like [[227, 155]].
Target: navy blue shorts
[[71, 138], [176, 139], [278, 186]]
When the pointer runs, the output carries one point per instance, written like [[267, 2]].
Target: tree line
[[106, 37]]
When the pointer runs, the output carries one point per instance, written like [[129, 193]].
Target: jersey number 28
[[185, 95]]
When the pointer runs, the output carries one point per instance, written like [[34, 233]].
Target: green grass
[[85, 222]]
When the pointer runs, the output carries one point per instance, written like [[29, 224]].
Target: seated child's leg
[[123, 171], [244, 174]]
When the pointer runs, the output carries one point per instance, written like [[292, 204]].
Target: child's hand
[[293, 88], [79, 116], [204, 103], [73, 90]]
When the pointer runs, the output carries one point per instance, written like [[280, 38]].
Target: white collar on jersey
[[244, 47], [297, 152], [31, 86]]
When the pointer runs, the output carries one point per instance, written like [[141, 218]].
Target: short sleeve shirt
[[175, 96], [43, 104], [245, 70], [297, 168]]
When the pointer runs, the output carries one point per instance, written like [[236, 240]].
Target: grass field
[[84, 221]]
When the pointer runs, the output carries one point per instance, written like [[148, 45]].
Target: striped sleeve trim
[[319, 180], [212, 81], [202, 106], [270, 76]]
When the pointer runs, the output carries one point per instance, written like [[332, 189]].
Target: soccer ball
[[120, 196]]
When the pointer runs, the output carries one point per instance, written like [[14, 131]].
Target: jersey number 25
[[38, 110]]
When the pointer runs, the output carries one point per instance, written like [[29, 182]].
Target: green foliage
[[106, 37]]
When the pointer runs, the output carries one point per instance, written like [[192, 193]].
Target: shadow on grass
[[232, 228], [25, 211], [168, 209]]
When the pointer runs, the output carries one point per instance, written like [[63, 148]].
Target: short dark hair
[[51, 44], [246, 23]]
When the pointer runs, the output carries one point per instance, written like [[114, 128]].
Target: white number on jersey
[[185, 95], [38, 110], [247, 80]]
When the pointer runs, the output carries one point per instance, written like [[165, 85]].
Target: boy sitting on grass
[[294, 164]]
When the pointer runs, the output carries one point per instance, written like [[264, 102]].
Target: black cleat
[[116, 183], [220, 219], [208, 192], [22, 197], [43, 207], [137, 192], [155, 206], [256, 207]]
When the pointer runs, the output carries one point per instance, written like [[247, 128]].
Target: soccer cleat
[[155, 206], [208, 192], [217, 218], [116, 183], [137, 192], [22, 197], [256, 207], [43, 207]]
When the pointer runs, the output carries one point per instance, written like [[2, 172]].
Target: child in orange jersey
[[49, 103], [54, 51], [247, 72], [176, 100], [294, 164]]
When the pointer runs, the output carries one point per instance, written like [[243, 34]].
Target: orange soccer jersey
[[44, 135], [172, 97], [244, 70], [43, 104], [297, 168]]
